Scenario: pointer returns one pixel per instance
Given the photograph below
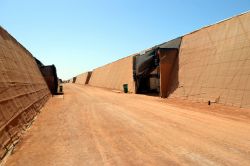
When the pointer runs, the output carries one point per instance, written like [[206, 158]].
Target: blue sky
[[80, 35]]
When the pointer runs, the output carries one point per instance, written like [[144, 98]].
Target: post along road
[[92, 126]]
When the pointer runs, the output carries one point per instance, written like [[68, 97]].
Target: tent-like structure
[[156, 64]]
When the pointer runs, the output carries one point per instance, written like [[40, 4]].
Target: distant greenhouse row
[[210, 64]]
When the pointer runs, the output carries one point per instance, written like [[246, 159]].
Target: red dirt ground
[[92, 126]]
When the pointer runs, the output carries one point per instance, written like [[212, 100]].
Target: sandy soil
[[92, 126]]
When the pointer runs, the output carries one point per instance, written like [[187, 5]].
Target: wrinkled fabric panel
[[146, 61]]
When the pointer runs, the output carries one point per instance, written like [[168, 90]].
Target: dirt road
[[92, 126]]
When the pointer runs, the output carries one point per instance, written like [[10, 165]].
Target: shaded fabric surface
[[114, 75], [50, 76], [214, 63], [23, 90], [145, 62], [83, 78]]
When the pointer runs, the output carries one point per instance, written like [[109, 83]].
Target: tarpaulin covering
[[50, 76], [214, 63], [83, 78], [23, 90], [145, 63], [175, 43], [114, 75], [149, 60]]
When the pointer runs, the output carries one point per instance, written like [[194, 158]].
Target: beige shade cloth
[[83, 78], [114, 75], [214, 64], [23, 90]]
